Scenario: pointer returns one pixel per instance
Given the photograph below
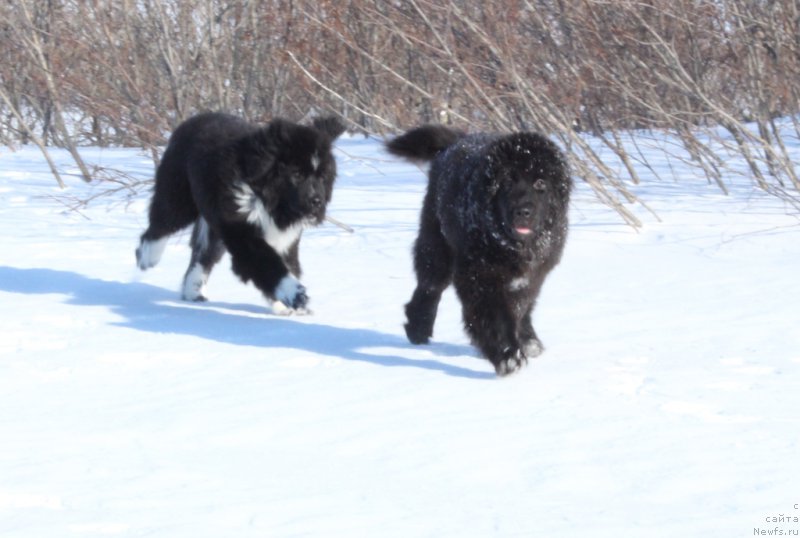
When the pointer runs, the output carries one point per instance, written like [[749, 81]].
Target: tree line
[[721, 76]]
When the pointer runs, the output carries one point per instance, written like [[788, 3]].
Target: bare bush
[[718, 75]]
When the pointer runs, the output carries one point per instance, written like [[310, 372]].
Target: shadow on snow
[[147, 308]]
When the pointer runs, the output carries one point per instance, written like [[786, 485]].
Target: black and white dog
[[494, 224], [246, 188]]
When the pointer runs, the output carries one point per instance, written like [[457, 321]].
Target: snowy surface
[[666, 402]]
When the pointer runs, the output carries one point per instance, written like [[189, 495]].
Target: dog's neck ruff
[[252, 208]]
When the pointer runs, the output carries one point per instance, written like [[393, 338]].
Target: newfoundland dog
[[246, 188], [494, 223]]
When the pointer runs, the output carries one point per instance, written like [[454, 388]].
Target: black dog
[[248, 189], [494, 223]]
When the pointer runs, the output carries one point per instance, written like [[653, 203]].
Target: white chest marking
[[282, 240], [518, 283], [254, 211]]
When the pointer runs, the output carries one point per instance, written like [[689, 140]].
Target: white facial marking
[[518, 283], [315, 162], [149, 252], [253, 208], [194, 284]]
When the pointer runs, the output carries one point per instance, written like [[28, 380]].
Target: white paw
[[149, 253], [280, 309], [194, 284], [511, 364], [291, 293], [532, 348]]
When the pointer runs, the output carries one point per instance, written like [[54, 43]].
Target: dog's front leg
[[489, 320], [254, 259]]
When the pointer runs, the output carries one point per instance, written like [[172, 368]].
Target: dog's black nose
[[523, 212], [316, 202]]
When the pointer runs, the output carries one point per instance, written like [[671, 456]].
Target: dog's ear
[[332, 126]]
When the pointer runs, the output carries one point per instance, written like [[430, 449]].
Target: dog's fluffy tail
[[423, 143]]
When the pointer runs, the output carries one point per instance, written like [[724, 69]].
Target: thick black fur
[[494, 224], [248, 189]]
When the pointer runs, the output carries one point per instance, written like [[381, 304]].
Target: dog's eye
[[295, 178], [540, 185]]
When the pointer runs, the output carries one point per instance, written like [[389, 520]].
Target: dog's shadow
[[148, 308]]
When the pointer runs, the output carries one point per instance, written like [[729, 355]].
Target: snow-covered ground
[[667, 403]]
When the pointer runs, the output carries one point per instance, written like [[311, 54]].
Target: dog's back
[[194, 138]]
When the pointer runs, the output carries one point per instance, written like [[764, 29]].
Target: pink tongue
[[523, 231]]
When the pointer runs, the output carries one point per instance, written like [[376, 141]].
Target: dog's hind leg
[[433, 265], [171, 209], [207, 249], [149, 251], [154, 240]]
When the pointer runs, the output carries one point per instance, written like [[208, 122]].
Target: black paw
[[416, 334]]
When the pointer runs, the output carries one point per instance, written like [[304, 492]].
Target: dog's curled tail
[[423, 143]]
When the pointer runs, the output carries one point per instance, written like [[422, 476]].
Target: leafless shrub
[[719, 75]]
